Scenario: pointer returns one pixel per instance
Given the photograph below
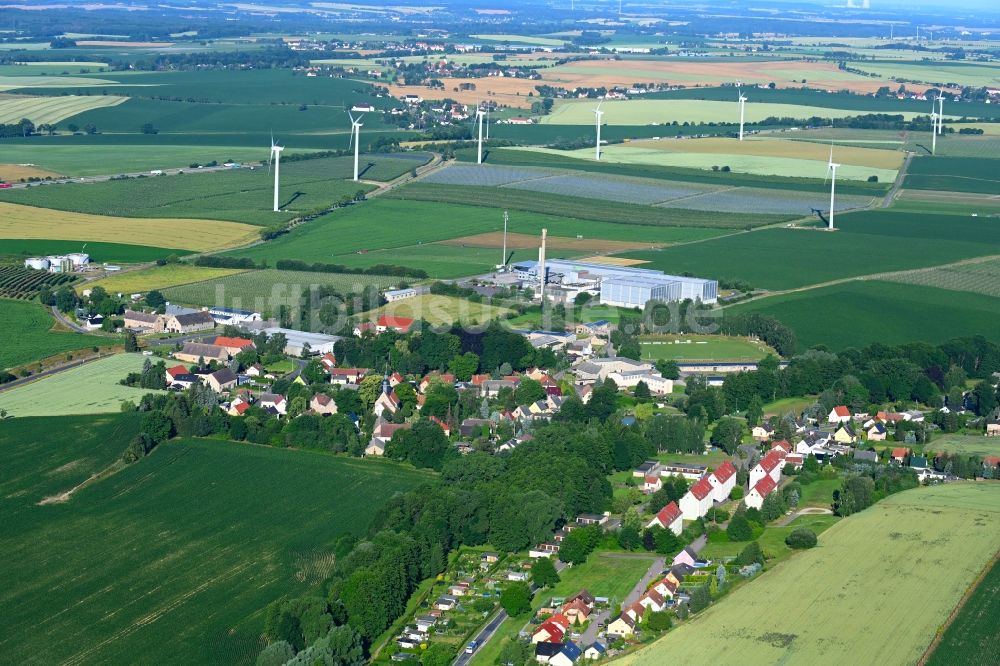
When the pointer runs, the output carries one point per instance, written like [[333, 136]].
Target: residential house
[[545, 651], [762, 432], [782, 445], [839, 414], [518, 576], [697, 500], [143, 322], [686, 470], [686, 556], [328, 361], [595, 651], [625, 624], [233, 345], [845, 434], [668, 586], [764, 487], [381, 435], [769, 465], [889, 417], [92, 322], [189, 323], [653, 601], [796, 460], [899, 455], [723, 480], [866, 456], [993, 428], [577, 611], [425, 622], [425, 383], [551, 630], [877, 432], [567, 656], [393, 323], [273, 401], [669, 518], [255, 370], [651, 483], [220, 380], [491, 387], [346, 376], [198, 352], [387, 401], [363, 328], [238, 406], [475, 427], [323, 404], [173, 373], [445, 602]]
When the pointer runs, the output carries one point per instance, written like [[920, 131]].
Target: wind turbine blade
[[349, 115]]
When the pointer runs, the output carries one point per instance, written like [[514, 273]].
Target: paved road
[[51, 371], [900, 175], [66, 321]]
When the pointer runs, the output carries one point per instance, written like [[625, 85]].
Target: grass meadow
[[91, 388], [204, 534], [971, 637], [702, 348], [860, 313], [29, 338], [30, 222], [877, 563], [238, 195], [972, 445], [266, 290], [772, 540]]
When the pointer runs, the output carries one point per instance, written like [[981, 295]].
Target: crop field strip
[[29, 222], [828, 620], [978, 277], [268, 289], [102, 393], [52, 110], [954, 174], [971, 637], [238, 195], [158, 277], [23, 283], [206, 534], [30, 338]]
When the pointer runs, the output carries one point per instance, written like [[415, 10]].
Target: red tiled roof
[[238, 343], [560, 620], [770, 461], [241, 407], [841, 410], [701, 489], [177, 370], [398, 323], [434, 419], [554, 630], [992, 460], [900, 452], [783, 444], [328, 360], [724, 472], [668, 514], [765, 486]]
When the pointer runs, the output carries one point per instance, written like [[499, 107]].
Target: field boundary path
[[958, 609], [808, 511], [890, 196], [51, 371]]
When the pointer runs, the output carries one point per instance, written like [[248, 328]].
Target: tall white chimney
[[541, 267]]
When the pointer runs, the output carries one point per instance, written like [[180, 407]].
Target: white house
[[839, 414], [697, 500], [769, 465], [723, 480], [669, 518], [764, 487]]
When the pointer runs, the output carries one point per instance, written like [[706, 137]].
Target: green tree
[[529, 391], [275, 654], [668, 368], [157, 426], [629, 537], [464, 366], [755, 411], [438, 654], [773, 507], [700, 598], [739, 528], [66, 299], [801, 538], [369, 390], [156, 300], [751, 553], [516, 599], [641, 391], [727, 434], [658, 621], [543, 572]]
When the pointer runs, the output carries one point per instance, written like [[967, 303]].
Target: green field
[[971, 637], [665, 111], [99, 252], [157, 277], [977, 278], [91, 388], [971, 445], [240, 195], [880, 561], [857, 314], [936, 73], [954, 174], [51, 110], [702, 348], [265, 290], [439, 310], [772, 541], [176, 557], [861, 247], [29, 338]]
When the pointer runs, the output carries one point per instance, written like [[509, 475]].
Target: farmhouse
[[142, 322], [189, 323], [399, 325], [220, 380], [233, 345], [198, 352]]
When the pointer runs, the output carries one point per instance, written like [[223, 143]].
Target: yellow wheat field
[[27, 222]]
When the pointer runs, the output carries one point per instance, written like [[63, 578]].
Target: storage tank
[[37, 263], [79, 258]]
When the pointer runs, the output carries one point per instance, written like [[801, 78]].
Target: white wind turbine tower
[[276, 157], [597, 122], [479, 119], [356, 140], [832, 172], [743, 101], [934, 122], [940, 118]]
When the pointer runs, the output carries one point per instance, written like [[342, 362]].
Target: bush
[[750, 554], [736, 493], [739, 529], [658, 621], [801, 538]]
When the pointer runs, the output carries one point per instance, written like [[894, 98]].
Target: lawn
[[29, 338], [702, 348], [971, 637], [819, 493], [970, 445], [439, 310], [772, 541], [204, 534], [29, 222], [788, 258], [91, 388], [788, 406], [266, 290], [857, 314], [869, 571], [157, 277]]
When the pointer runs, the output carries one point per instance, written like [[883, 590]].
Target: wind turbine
[[743, 101], [940, 118], [479, 119], [832, 172], [487, 122], [276, 157], [355, 139], [597, 122]]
